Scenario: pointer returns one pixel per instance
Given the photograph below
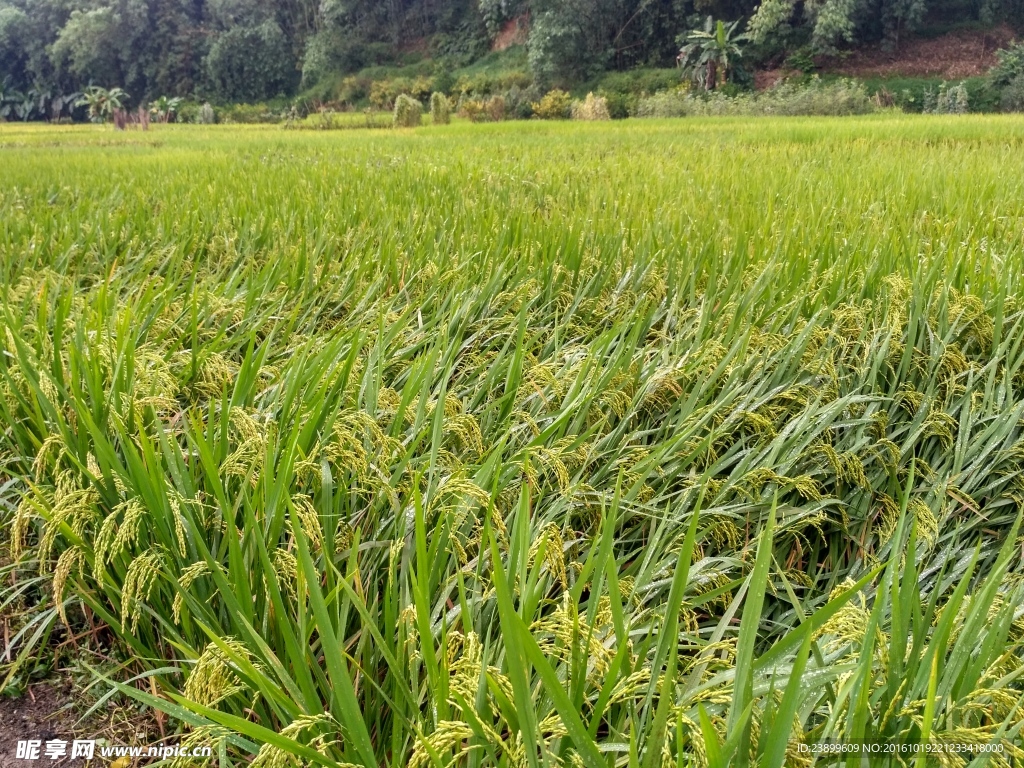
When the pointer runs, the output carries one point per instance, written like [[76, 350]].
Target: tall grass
[[630, 445]]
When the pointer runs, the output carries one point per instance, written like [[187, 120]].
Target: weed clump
[[591, 108]]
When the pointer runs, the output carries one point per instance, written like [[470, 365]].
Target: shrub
[[948, 101], [249, 113], [408, 112], [519, 101], [421, 88], [1011, 99], [673, 103], [638, 81], [492, 109], [471, 109], [385, 91], [591, 108], [484, 84], [624, 89], [1010, 65], [802, 60], [554, 106], [381, 95], [331, 120], [187, 113], [207, 115], [620, 105], [495, 107], [844, 97], [352, 89], [439, 111]]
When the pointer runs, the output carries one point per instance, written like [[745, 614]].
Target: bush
[[638, 81], [471, 109], [674, 103], [554, 106], [485, 84], [1007, 78], [623, 90], [519, 101], [591, 108], [495, 107], [439, 111], [843, 97], [207, 115], [909, 93], [187, 113], [620, 105], [352, 90], [1011, 99], [383, 93], [481, 110], [948, 101], [1010, 66], [249, 113], [408, 112]]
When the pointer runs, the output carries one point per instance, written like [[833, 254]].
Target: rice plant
[[560, 444]]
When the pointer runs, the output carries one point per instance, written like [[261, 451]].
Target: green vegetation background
[[336, 51]]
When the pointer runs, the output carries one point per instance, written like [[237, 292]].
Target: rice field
[[681, 443]]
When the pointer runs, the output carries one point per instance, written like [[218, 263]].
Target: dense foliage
[[481, 446], [251, 50]]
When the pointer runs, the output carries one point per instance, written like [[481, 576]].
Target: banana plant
[[707, 54], [62, 102], [25, 106], [8, 98], [164, 109], [102, 103]]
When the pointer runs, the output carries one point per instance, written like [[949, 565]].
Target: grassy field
[[635, 444]]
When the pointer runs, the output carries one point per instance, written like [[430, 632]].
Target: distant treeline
[[254, 50]]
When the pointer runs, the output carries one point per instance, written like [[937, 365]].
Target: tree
[[251, 63], [87, 45], [570, 40], [177, 47], [832, 23], [15, 32], [254, 50], [708, 54]]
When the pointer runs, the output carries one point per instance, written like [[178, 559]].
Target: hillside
[[953, 56], [950, 56]]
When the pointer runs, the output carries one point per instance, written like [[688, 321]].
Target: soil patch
[[953, 56], [43, 713], [513, 32], [52, 710], [769, 78]]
